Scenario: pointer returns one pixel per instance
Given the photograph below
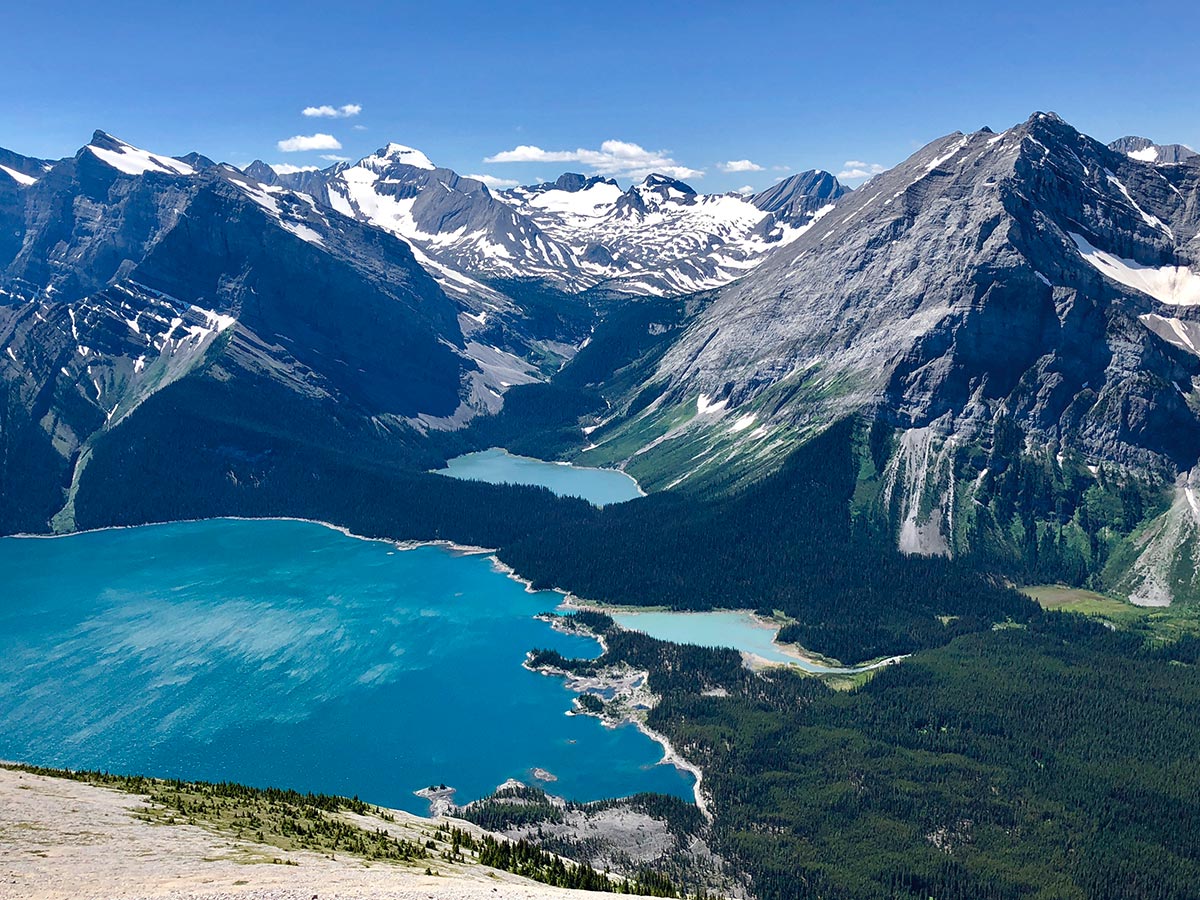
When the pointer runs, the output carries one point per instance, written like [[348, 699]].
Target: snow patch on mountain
[[405, 156], [1185, 335], [18, 177], [1173, 285], [132, 161]]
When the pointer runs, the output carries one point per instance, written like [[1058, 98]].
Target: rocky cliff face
[[127, 271], [1035, 276], [799, 196], [1035, 272]]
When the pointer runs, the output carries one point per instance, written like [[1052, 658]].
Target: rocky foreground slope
[[63, 840]]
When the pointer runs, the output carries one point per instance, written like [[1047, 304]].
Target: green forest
[[1051, 759]]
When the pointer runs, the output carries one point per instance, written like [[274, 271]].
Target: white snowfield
[[1173, 285], [1185, 335], [658, 238], [132, 161], [18, 177], [678, 242], [64, 840]]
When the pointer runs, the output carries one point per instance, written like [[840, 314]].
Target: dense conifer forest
[[1049, 759]]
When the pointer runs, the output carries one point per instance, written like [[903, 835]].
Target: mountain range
[[576, 233], [1013, 316]]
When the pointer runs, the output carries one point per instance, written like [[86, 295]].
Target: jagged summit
[[800, 194], [572, 182], [658, 182], [1146, 150], [400, 154], [261, 171], [132, 160]]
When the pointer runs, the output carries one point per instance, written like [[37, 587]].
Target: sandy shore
[[62, 839]]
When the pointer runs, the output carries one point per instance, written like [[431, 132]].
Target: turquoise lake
[[496, 466], [719, 628], [286, 653]]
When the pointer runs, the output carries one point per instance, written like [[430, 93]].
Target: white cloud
[[854, 168], [620, 158], [309, 142], [744, 189], [739, 165], [333, 157], [332, 112], [493, 182], [289, 169], [360, 127]]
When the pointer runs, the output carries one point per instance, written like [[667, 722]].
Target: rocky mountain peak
[[130, 160], [260, 171], [943, 290], [573, 182], [400, 154], [1145, 150], [800, 194], [665, 184]]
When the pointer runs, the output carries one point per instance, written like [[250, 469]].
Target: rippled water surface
[[286, 653]]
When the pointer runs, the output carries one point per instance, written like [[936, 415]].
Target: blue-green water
[[286, 653], [719, 628], [597, 486]]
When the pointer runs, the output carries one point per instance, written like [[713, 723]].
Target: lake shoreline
[[481, 458], [811, 663], [670, 755]]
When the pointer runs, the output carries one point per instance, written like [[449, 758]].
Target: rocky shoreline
[[627, 699]]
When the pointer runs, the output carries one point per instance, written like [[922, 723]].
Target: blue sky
[[688, 87]]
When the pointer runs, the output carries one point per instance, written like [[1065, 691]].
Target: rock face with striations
[[134, 271], [1145, 150], [1035, 277], [1034, 272], [800, 195]]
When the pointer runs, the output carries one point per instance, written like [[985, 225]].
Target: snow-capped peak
[[399, 154], [664, 187], [1145, 150], [131, 160]]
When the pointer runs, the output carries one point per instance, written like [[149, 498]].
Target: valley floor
[[64, 839]]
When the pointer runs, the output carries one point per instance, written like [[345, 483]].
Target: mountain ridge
[[994, 305]]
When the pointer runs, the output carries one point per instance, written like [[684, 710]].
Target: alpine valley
[[1009, 316], [950, 416]]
